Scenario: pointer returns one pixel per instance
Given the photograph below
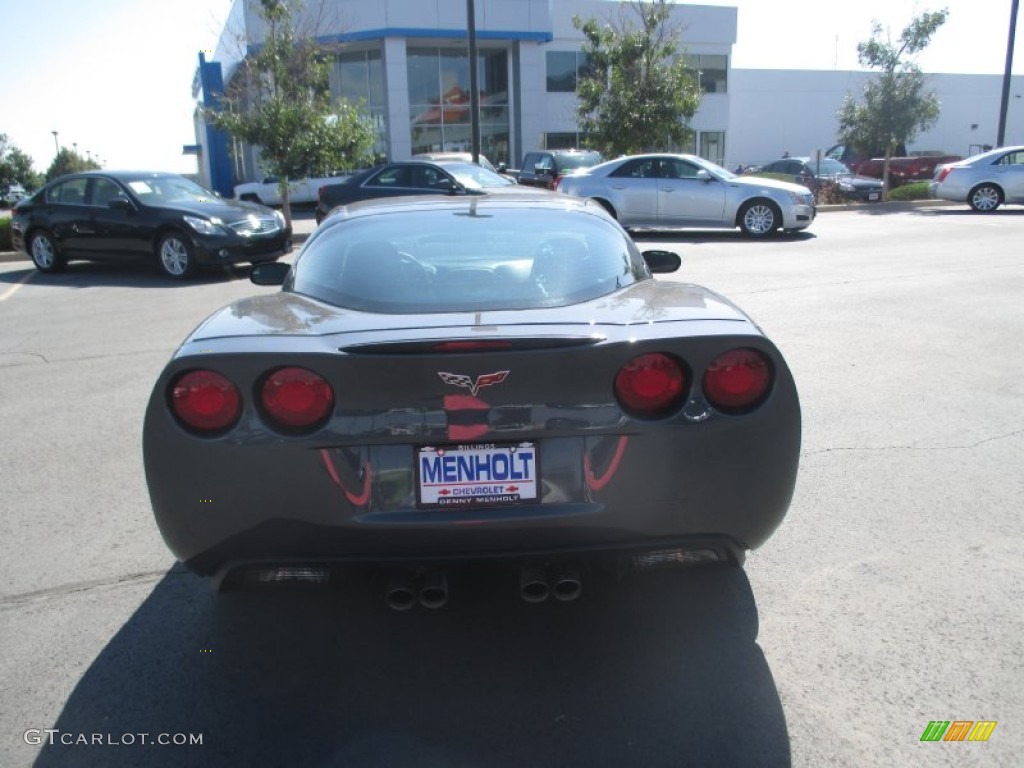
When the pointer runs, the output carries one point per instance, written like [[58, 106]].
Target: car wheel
[[250, 198], [985, 198], [174, 256], [608, 207], [44, 252], [759, 218]]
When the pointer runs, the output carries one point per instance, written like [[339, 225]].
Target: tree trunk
[[286, 202], [885, 173]]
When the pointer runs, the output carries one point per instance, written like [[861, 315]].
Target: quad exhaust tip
[[536, 585], [406, 590]]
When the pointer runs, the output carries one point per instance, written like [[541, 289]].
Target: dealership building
[[407, 63]]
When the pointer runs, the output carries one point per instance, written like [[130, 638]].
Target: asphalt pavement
[[883, 603]]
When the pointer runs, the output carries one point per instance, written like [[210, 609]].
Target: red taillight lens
[[943, 174], [738, 380], [205, 401], [296, 398], [650, 385]]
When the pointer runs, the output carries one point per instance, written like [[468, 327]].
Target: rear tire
[[250, 198], [608, 207], [759, 218], [985, 198], [174, 256], [43, 250]]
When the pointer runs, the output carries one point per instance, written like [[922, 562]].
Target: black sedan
[[446, 379], [411, 177], [816, 174], [163, 218]]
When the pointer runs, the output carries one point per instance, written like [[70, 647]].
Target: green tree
[[636, 95], [69, 161], [15, 167], [281, 102], [894, 106]]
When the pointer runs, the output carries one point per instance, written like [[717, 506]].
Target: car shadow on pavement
[[85, 274], [967, 211], [653, 669], [715, 236]]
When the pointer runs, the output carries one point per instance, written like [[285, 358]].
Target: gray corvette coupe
[[443, 380]]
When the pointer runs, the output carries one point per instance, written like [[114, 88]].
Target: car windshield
[[461, 259], [717, 170], [828, 167], [473, 176], [580, 160], [154, 190]]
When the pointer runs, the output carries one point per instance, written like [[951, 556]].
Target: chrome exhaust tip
[[533, 584], [567, 586], [401, 593], [433, 590]]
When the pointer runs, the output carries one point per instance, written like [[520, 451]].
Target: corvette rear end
[[287, 432]]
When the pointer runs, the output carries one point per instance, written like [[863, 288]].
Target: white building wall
[[536, 111], [777, 111], [396, 84]]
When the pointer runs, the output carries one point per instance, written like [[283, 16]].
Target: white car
[[12, 195], [668, 191], [983, 181], [460, 157], [268, 190]]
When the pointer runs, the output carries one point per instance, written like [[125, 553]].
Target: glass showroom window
[[712, 71], [439, 101], [564, 68], [565, 140], [712, 146], [707, 144], [358, 77]]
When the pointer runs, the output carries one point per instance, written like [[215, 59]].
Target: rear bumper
[[271, 501]]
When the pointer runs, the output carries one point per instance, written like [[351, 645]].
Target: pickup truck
[[268, 191], [902, 169], [544, 167]]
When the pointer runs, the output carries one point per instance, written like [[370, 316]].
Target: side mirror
[[662, 262], [121, 204], [502, 168], [703, 175], [273, 273]]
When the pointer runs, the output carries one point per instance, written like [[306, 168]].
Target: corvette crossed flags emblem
[[474, 386]]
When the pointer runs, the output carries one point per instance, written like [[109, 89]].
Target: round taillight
[[296, 398], [205, 401], [650, 385], [738, 380]]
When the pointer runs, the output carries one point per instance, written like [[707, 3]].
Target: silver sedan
[[983, 181], [668, 191]]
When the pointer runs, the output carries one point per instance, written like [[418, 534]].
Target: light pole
[[56, 146], [474, 89], [1005, 102]]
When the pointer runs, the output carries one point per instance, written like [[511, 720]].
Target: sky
[[114, 77]]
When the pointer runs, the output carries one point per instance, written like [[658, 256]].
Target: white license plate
[[472, 475], [873, 195]]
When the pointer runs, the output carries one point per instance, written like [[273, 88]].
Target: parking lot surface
[[889, 598]]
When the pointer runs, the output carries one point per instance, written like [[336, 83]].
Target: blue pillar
[[218, 156]]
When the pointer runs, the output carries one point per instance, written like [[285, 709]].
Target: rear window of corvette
[[459, 260]]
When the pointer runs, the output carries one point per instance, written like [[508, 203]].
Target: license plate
[[873, 196], [474, 475]]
